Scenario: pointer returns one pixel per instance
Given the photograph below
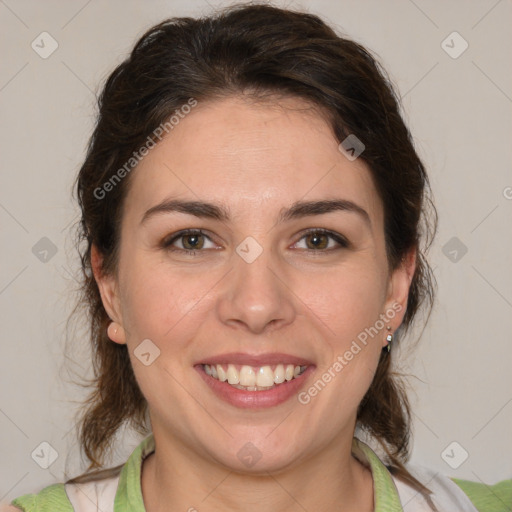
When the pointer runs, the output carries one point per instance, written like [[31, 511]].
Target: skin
[[255, 159]]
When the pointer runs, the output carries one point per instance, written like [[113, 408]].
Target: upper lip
[[255, 360]]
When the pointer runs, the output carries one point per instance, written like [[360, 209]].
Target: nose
[[256, 296]]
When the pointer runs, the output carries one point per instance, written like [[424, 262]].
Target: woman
[[253, 214]]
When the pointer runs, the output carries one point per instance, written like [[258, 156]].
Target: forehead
[[249, 155]]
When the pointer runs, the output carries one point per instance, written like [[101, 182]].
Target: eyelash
[[167, 243]]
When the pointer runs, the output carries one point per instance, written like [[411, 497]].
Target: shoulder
[[99, 493], [93, 491], [453, 494], [51, 498], [488, 498], [73, 497]]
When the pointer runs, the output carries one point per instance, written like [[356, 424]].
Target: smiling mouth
[[254, 378]]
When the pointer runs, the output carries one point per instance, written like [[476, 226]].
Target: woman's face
[[263, 287]]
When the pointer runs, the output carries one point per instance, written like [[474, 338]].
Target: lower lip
[[256, 399]]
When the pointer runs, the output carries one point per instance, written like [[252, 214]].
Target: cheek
[[349, 307], [347, 301], [162, 307], [155, 301]]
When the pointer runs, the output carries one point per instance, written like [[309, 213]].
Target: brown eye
[[319, 240], [191, 242], [187, 241]]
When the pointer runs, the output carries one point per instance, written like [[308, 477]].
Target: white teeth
[[279, 374], [221, 374], [254, 378], [233, 377], [247, 376], [251, 388], [265, 377]]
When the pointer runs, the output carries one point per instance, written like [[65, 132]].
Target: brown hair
[[258, 49]]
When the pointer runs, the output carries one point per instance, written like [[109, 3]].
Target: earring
[[389, 339], [112, 330]]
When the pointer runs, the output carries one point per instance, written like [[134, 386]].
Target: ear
[[107, 285], [398, 288]]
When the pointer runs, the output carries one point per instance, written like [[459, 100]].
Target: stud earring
[[389, 339], [112, 330]]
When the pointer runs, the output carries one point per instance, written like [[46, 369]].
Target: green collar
[[385, 493], [129, 492]]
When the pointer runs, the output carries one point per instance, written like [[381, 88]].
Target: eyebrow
[[297, 210]]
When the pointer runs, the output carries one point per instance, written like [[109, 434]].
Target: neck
[[177, 479]]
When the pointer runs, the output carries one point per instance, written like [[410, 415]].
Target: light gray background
[[459, 113]]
